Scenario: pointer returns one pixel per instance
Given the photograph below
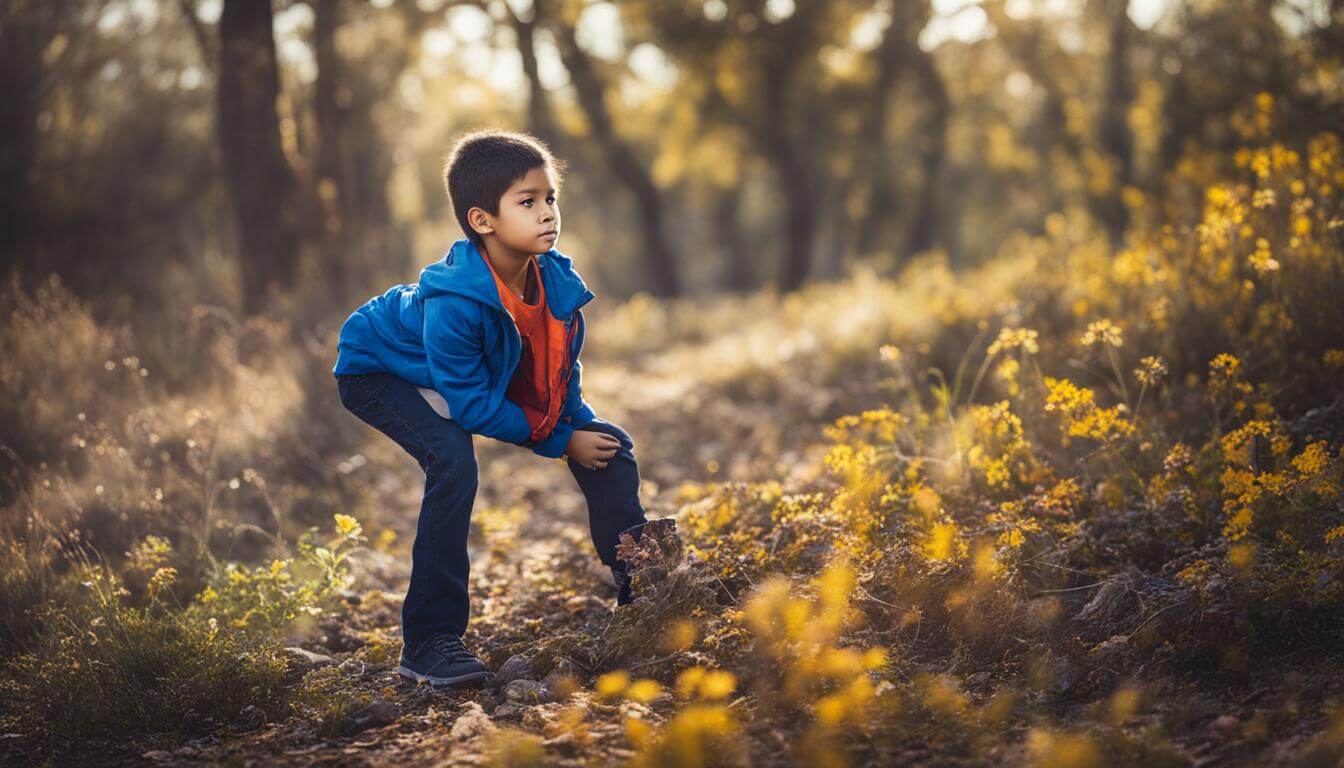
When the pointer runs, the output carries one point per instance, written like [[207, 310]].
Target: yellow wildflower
[[1103, 332], [613, 684], [644, 690], [1084, 417], [944, 542], [1177, 458], [1312, 460], [1262, 261], [717, 684], [1015, 338], [1150, 370], [346, 525], [161, 580]]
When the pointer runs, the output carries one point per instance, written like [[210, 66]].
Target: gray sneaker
[[443, 660]]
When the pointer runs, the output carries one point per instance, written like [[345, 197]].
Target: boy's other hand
[[592, 449]]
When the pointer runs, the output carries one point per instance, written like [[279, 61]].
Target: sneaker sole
[[461, 681]]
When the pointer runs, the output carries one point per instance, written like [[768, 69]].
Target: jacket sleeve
[[455, 354]]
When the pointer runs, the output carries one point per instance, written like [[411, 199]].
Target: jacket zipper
[[569, 340], [569, 363], [570, 331]]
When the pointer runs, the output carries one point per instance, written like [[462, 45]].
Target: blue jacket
[[450, 332]]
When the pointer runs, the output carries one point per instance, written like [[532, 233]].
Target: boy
[[487, 342]]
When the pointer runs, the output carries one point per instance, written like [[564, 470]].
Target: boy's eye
[[529, 200]]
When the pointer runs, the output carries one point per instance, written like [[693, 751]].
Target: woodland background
[[987, 355]]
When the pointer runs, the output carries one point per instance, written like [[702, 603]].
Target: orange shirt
[[538, 383]]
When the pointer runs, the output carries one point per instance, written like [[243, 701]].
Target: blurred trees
[[272, 218], [352, 158], [623, 162], [900, 54], [1113, 133], [29, 27], [196, 152]]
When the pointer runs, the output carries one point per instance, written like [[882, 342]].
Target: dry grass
[[1068, 508]]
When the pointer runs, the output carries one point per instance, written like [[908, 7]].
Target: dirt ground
[[536, 578]]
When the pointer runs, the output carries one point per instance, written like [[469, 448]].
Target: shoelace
[[452, 648]]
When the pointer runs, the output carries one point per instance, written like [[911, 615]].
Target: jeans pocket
[[385, 407], [358, 390], [351, 395]]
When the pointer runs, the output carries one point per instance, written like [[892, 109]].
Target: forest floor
[[535, 574]]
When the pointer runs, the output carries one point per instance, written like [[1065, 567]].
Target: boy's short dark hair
[[483, 164]]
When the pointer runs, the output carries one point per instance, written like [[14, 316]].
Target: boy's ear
[[480, 221]]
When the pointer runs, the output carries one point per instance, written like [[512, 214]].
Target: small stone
[[157, 754], [252, 717], [528, 691], [506, 710], [537, 719], [564, 743], [979, 679], [471, 723], [563, 668], [308, 658], [561, 681], [353, 667], [581, 603], [1112, 644], [515, 668], [375, 714], [1226, 726]]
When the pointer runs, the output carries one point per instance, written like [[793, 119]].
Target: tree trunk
[[538, 105], [881, 197], [922, 230], [1115, 137], [360, 241], [26, 29], [1033, 46], [624, 165], [740, 276], [795, 177], [261, 184], [333, 171]]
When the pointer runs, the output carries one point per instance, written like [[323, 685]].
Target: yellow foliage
[[644, 690], [613, 684], [944, 542], [1061, 750]]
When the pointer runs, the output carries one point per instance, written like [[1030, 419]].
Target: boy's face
[[529, 215]]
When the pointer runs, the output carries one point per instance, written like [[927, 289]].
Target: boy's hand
[[592, 449]]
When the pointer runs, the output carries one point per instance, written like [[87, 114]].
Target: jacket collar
[[463, 271]]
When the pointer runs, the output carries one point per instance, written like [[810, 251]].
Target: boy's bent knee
[[451, 453], [602, 425]]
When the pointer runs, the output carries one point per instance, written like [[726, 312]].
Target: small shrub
[[107, 668]]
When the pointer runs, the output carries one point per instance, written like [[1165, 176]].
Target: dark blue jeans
[[437, 599]]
